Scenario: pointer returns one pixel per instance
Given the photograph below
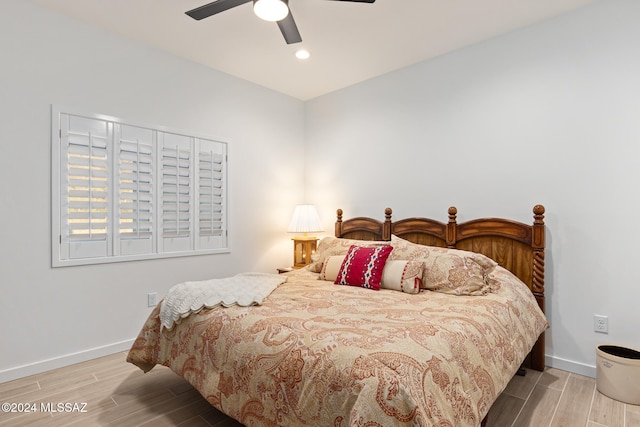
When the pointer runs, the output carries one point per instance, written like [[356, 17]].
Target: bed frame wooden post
[[452, 228], [339, 222], [537, 243], [386, 227]]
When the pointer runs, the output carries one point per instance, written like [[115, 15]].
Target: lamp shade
[[271, 10], [305, 219]]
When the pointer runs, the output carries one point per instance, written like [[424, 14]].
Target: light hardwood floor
[[119, 394]]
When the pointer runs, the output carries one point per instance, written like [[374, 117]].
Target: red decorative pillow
[[363, 266]]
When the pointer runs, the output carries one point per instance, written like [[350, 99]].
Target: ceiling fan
[[269, 10]]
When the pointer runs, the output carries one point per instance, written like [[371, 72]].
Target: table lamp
[[305, 220]]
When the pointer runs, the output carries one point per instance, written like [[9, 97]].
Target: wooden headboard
[[515, 246]]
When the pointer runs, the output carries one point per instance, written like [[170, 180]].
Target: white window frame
[[134, 191]]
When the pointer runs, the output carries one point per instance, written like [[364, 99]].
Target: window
[[122, 191]]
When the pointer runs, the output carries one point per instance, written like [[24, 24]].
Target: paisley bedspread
[[315, 353]]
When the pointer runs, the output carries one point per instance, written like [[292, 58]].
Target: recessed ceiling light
[[302, 54]]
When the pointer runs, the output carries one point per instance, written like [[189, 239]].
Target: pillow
[[330, 246], [404, 249], [450, 271], [331, 267], [405, 276], [363, 266]]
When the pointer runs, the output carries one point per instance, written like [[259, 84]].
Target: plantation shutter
[[212, 229], [176, 185], [123, 191], [135, 184], [84, 197]]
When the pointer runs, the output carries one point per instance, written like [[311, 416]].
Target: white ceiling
[[349, 42]]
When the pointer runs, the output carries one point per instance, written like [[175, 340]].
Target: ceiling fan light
[[271, 10]]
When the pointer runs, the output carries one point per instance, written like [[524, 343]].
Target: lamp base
[[303, 248]]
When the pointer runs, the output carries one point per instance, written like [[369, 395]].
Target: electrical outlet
[[152, 299], [601, 324]]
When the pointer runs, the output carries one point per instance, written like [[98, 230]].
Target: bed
[[427, 348]]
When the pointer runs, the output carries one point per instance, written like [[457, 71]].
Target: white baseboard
[[66, 360], [571, 366]]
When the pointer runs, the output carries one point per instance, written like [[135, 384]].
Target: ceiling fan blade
[[289, 29], [212, 8]]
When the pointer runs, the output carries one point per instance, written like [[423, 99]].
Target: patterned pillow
[[404, 249], [400, 275], [450, 271], [330, 246], [363, 266]]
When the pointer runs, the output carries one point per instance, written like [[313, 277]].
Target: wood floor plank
[[504, 411], [573, 408], [521, 386], [606, 411], [13, 389], [156, 400], [194, 422], [68, 391], [539, 408], [632, 415], [57, 422], [116, 367], [68, 380], [554, 378], [179, 387], [229, 422], [214, 417], [138, 386], [198, 406], [148, 412], [22, 419], [95, 396], [58, 377]]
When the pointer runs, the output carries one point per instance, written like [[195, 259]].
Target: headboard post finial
[[452, 227], [538, 213]]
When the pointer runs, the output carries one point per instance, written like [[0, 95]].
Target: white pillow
[[403, 275], [331, 267]]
